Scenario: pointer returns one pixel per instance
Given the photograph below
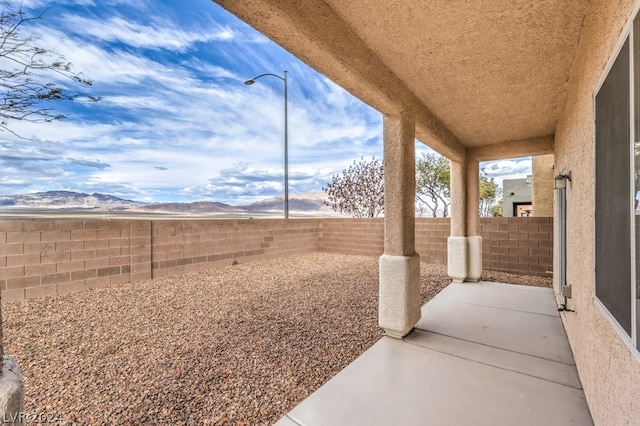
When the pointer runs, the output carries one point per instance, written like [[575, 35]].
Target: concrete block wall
[[40, 257], [518, 245], [48, 257], [364, 237], [195, 245], [431, 239], [521, 245]]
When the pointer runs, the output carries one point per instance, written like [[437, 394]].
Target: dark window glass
[[636, 164], [613, 189]]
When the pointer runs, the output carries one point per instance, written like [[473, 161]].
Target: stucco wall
[[542, 167], [609, 371]]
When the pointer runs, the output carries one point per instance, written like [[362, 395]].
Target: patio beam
[[431, 132], [399, 266], [512, 149]]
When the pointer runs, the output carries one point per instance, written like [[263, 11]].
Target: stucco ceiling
[[484, 71]]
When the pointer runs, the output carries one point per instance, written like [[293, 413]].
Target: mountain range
[[78, 201]]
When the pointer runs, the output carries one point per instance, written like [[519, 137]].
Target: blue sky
[[176, 122]]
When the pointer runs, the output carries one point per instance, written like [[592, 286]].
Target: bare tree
[[25, 73], [358, 190], [432, 184]]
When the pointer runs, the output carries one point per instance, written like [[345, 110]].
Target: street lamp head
[[249, 82]]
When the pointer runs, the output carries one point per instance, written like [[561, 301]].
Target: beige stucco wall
[[542, 166], [609, 371]]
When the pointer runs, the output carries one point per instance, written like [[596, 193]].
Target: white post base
[[457, 259], [11, 393], [474, 267], [399, 297]]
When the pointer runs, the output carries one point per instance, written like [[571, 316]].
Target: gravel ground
[[240, 345]]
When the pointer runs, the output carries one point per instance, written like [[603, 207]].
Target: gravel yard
[[240, 345]]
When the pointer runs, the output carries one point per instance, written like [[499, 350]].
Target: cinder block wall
[[431, 239], [366, 237], [195, 245], [517, 245], [48, 257], [351, 236], [40, 257], [522, 245]]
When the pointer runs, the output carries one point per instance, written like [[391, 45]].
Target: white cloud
[[159, 33], [182, 126], [211, 70], [244, 183], [41, 4], [514, 168]]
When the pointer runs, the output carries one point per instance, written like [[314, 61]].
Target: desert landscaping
[[239, 345]]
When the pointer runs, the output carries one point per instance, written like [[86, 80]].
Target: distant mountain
[[70, 201], [196, 207], [299, 202], [66, 200]]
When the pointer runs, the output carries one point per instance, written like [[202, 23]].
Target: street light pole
[[286, 136], [286, 148]]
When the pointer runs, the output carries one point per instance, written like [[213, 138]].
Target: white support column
[[457, 254], [474, 247], [474, 240], [399, 296]]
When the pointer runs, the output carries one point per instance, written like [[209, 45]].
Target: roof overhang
[[481, 78]]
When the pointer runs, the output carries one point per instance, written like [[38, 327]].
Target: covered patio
[[475, 81], [480, 81], [482, 354]]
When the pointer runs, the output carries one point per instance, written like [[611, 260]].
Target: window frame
[[632, 341]]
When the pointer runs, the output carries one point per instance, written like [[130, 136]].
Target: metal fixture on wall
[[560, 181]]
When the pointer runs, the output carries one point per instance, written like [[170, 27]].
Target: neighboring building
[[533, 195], [516, 197], [480, 81]]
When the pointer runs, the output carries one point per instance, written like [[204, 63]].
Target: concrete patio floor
[[482, 354]]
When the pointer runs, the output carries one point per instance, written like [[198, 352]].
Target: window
[[617, 188], [635, 167]]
